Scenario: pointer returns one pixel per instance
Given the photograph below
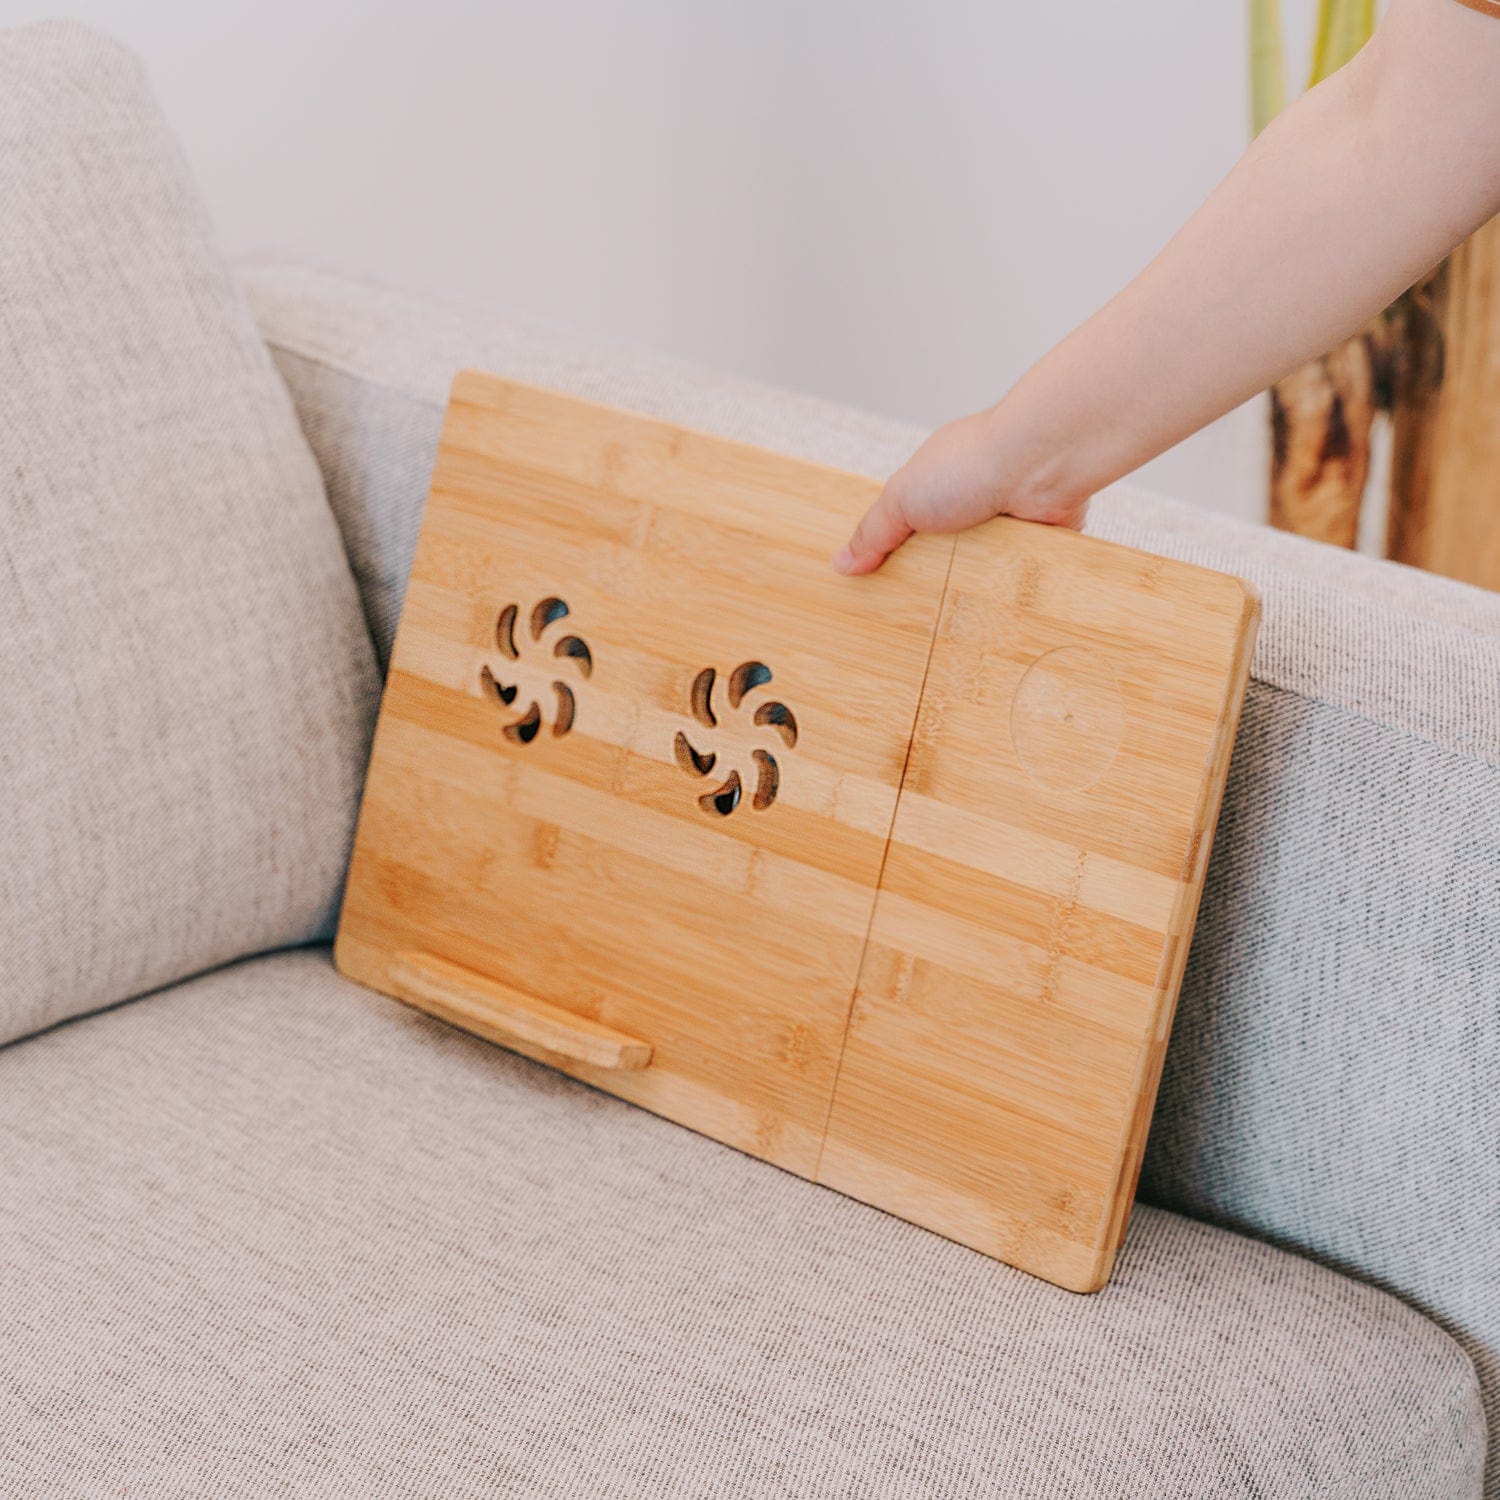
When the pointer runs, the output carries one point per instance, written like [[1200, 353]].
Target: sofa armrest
[[1331, 1078]]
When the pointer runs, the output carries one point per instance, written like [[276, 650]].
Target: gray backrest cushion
[[1332, 1079], [1334, 1070], [186, 684]]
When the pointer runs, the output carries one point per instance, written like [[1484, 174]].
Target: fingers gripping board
[[887, 880]]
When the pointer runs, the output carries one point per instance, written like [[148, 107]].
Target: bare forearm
[[1338, 207]]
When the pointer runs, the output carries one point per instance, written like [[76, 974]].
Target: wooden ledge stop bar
[[501, 1014]]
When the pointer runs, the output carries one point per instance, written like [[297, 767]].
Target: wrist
[[1037, 475]]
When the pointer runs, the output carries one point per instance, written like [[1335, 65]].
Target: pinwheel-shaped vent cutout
[[560, 650], [770, 721]]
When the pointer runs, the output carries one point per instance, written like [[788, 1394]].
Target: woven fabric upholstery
[[187, 683], [1336, 1058], [344, 1250], [1337, 1051]]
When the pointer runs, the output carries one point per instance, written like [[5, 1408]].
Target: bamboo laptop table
[[888, 880]]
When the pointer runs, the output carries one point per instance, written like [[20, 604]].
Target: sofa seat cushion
[[1336, 1055], [267, 1232], [186, 683]]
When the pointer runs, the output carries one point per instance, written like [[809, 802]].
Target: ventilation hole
[[544, 614], [565, 706], [690, 760], [749, 674], [507, 695], [725, 800], [769, 782], [781, 719], [703, 693], [525, 728], [505, 632], [571, 645]]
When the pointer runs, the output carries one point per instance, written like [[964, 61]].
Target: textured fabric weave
[[346, 1251], [185, 681], [1332, 1077]]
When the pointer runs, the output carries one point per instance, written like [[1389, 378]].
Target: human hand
[[963, 474]]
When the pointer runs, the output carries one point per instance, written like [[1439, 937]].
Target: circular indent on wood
[[1067, 719]]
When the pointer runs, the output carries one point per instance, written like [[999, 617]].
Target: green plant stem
[[1344, 26], [1267, 63]]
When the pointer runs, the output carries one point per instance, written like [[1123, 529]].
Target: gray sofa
[[265, 1233]]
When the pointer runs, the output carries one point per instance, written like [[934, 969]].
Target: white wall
[[898, 205]]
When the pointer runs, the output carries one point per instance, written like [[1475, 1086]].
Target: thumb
[[882, 529]]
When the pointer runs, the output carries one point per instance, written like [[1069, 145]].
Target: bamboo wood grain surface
[[1038, 896], [633, 810]]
